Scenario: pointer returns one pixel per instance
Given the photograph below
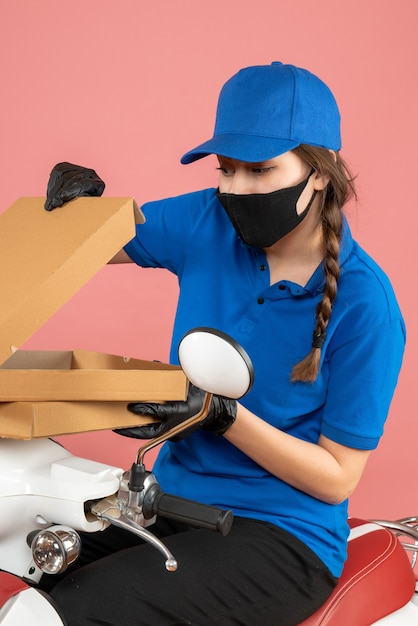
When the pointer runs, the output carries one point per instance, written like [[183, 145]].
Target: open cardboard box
[[45, 258]]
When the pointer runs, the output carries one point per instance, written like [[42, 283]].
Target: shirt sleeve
[[363, 377], [363, 359], [169, 230]]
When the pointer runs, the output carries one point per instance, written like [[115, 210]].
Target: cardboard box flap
[[37, 279]]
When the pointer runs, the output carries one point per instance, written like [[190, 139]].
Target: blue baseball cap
[[266, 110]]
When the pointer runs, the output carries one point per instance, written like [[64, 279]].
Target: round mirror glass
[[216, 363]]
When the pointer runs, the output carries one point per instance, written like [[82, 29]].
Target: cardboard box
[[45, 258]]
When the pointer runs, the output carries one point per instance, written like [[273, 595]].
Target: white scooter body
[[41, 484], [407, 616]]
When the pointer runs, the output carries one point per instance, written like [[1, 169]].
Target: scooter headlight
[[55, 548]]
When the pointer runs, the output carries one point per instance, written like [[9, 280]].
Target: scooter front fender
[[29, 607]]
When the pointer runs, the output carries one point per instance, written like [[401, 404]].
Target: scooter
[[48, 496]]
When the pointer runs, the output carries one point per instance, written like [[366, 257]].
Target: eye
[[261, 170], [225, 171]]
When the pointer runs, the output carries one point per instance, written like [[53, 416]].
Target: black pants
[[258, 575]]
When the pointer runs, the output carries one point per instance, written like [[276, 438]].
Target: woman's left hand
[[221, 416]]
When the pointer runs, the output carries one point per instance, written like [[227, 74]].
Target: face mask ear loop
[[304, 212], [310, 202]]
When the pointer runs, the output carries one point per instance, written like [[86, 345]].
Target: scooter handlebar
[[187, 511]]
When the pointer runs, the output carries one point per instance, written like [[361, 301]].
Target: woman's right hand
[[68, 181]]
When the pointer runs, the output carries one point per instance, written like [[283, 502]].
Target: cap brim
[[248, 148]]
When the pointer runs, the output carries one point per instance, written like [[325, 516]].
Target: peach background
[[126, 87]]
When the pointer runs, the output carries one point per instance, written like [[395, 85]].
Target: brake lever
[[108, 509]]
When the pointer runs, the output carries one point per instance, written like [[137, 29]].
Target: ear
[[322, 180]]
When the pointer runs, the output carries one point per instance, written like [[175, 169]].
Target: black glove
[[68, 181], [221, 416]]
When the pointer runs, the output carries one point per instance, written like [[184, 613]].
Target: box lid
[[47, 256]]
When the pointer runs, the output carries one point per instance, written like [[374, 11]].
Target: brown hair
[[337, 192]]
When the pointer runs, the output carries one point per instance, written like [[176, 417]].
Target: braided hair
[[337, 192]]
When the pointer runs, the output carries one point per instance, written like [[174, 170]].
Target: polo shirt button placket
[[262, 267]]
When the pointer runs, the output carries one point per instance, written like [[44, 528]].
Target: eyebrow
[[249, 163]]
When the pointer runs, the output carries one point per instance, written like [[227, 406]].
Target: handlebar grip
[[190, 512]]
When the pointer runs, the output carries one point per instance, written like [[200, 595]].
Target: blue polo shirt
[[225, 284]]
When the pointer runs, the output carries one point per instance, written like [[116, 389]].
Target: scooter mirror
[[216, 363]]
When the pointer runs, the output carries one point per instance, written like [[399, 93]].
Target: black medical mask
[[261, 219]]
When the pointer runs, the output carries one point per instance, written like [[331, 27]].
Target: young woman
[[268, 258]]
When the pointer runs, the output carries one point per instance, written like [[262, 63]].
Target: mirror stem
[[191, 421]]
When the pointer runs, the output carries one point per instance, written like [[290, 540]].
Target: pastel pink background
[[126, 87]]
